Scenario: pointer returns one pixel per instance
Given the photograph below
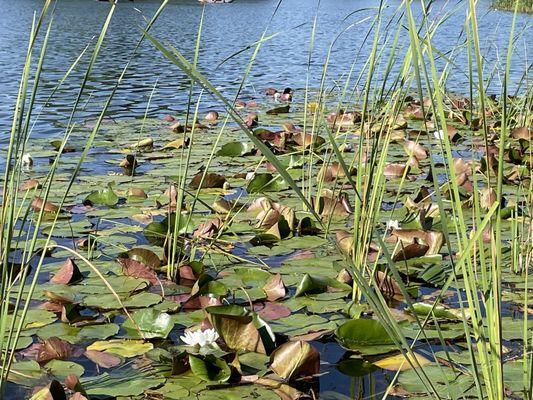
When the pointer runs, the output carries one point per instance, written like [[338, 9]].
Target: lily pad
[[365, 336], [152, 324]]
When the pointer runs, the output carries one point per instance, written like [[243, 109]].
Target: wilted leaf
[[394, 170], [274, 288], [211, 180], [410, 251], [39, 204], [69, 273], [54, 348], [294, 359], [146, 143], [131, 267], [179, 143], [239, 328], [387, 284], [399, 362], [103, 359], [345, 241]]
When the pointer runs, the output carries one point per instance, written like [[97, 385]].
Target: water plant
[[224, 251]]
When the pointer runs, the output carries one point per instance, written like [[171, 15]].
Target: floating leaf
[[294, 359], [61, 369], [157, 231], [105, 197], [365, 335], [152, 323], [355, 367], [265, 182], [68, 274], [104, 359], [279, 110], [399, 362], [122, 347], [319, 284], [127, 383], [210, 181], [209, 368], [234, 149]]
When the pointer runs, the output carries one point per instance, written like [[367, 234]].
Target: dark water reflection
[[227, 29]]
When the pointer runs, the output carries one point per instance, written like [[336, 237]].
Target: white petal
[[189, 338], [393, 224], [439, 135]]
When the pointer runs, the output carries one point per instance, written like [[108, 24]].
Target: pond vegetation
[[229, 252], [510, 5]]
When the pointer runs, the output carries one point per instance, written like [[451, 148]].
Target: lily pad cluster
[[214, 280]]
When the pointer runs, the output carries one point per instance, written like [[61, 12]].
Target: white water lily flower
[[200, 338], [393, 224], [27, 160], [439, 135]]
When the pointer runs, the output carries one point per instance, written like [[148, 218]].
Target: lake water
[[282, 61], [228, 28]]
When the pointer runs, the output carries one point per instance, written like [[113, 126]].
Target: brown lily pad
[[54, 348], [274, 288], [410, 251], [103, 359], [295, 359], [38, 204], [134, 268], [211, 180], [68, 274]]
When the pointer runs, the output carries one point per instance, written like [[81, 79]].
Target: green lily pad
[[61, 369], [152, 324], [234, 149], [265, 182], [365, 336], [209, 368], [106, 197], [122, 347]]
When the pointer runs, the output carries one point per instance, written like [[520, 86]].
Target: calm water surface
[[228, 28]]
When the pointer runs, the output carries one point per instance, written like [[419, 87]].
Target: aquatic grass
[[178, 59], [9, 336], [479, 300]]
